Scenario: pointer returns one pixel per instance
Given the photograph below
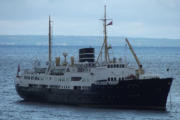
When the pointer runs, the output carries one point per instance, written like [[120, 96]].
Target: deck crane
[[140, 68]]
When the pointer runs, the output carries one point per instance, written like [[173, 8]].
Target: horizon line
[[137, 46], [88, 36]]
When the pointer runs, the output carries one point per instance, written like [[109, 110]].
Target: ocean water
[[154, 59]]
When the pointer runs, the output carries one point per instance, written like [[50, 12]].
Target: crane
[[140, 68]]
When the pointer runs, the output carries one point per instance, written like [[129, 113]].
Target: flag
[[110, 23]]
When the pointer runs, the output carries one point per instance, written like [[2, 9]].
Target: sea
[[158, 57]]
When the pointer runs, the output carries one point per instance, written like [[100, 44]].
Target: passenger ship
[[93, 82]]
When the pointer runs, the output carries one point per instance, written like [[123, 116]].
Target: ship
[[92, 81]]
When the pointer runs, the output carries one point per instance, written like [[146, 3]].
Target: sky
[[132, 18]]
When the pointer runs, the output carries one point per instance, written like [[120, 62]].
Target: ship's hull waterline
[[138, 94]]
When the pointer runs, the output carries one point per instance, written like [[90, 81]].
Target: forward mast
[[50, 42]]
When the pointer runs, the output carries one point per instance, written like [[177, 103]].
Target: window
[[114, 65], [93, 65], [77, 87], [36, 78], [67, 70], [117, 65], [122, 66], [32, 77], [27, 77], [75, 78]]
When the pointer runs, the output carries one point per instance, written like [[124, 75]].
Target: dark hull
[[139, 94]]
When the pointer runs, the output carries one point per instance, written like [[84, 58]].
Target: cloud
[[171, 4], [80, 17]]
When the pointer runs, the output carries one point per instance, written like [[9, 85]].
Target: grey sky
[[134, 18]]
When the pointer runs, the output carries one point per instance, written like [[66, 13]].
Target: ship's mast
[[105, 44], [105, 36], [50, 40]]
